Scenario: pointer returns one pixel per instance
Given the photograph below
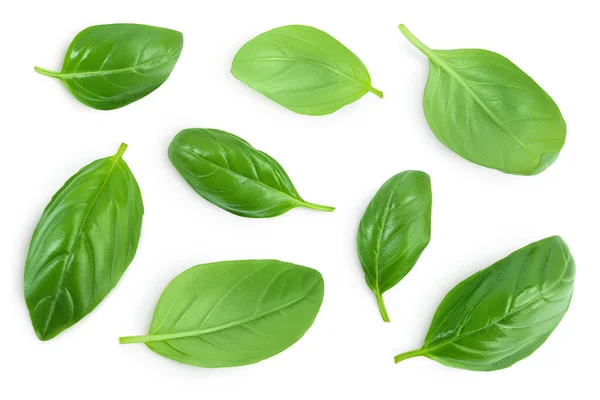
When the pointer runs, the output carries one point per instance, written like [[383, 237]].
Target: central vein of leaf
[[366, 85], [455, 75], [200, 332], [541, 295], [386, 212], [431, 54], [71, 253], [133, 68], [257, 182]]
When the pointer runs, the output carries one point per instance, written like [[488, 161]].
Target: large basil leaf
[[503, 313], [83, 243], [110, 66], [230, 173], [485, 109], [233, 313], [394, 231], [303, 69]]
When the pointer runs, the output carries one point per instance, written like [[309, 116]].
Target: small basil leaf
[[233, 313], [394, 231], [230, 173], [303, 69], [83, 243], [503, 313], [488, 111], [110, 66]]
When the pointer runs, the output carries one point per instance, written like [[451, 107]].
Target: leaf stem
[[317, 207], [416, 42], [376, 92], [135, 339], [382, 309], [409, 354], [121, 151], [47, 72]]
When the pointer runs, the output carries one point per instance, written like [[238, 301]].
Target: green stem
[[409, 354], [47, 72], [376, 92], [136, 339], [317, 207], [382, 308], [121, 151], [416, 42]]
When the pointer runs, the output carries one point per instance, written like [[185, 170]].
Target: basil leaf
[[503, 313], [233, 313], [230, 173], [83, 243], [485, 109], [303, 69], [394, 231], [110, 66]]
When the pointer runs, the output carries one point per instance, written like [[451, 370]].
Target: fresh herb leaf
[[394, 231], [83, 243], [304, 69], [488, 111], [230, 173], [503, 313], [111, 66], [233, 313]]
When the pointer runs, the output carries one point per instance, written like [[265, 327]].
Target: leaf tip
[[43, 337]]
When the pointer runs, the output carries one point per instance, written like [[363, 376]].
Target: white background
[[479, 214]]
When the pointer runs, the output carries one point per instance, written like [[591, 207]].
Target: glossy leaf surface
[[394, 231], [83, 243], [503, 313], [304, 69], [110, 66], [488, 111], [230, 173], [233, 313]]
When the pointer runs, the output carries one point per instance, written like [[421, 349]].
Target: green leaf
[[303, 69], [83, 243], [394, 231], [503, 313], [485, 109], [230, 173], [233, 313], [110, 66]]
